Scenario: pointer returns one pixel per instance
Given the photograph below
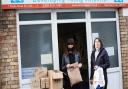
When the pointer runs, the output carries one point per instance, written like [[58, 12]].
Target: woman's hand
[[96, 67], [68, 65], [80, 65]]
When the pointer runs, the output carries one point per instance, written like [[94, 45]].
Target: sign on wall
[[125, 11], [21, 4]]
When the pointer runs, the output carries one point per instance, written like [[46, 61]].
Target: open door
[[78, 32]]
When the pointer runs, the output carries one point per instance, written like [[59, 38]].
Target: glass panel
[[36, 50], [107, 32], [103, 14], [70, 15], [34, 16]]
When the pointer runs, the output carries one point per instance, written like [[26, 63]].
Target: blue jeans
[[98, 87]]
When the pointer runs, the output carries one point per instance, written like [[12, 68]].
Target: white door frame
[[54, 23], [115, 69]]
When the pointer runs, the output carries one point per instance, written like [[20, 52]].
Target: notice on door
[[110, 51], [46, 58]]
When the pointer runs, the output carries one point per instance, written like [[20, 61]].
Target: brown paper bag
[[74, 75]]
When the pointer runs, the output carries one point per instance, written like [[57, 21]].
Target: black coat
[[102, 60]]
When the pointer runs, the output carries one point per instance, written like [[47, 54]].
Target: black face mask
[[70, 49]]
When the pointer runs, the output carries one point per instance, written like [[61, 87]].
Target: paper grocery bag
[[74, 75]]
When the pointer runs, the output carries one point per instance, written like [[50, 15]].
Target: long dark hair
[[72, 42], [101, 43]]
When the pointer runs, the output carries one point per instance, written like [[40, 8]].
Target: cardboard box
[[57, 82], [40, 72], [57, 75], [35, 84], [45, 83], [44, 72]]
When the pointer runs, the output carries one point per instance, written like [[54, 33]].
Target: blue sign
[[17, 1], [118, 0]]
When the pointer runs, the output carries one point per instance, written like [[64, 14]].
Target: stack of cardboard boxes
[[44, 79], [40, 80]]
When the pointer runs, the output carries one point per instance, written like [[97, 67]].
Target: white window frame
[[54, 23], [118, 36], [54, 37]]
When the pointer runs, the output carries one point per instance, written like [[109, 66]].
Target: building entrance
[[77, 31]]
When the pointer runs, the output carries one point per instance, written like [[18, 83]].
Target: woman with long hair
[[70, 56], [99, 58]]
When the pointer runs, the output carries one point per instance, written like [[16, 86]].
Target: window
[[34, 16], [103, 14], [107, 32], [35, 48], [70, 15]]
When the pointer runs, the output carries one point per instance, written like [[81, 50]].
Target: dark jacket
[[65, 59], [102, 60]]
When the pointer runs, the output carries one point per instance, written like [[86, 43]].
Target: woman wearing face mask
[[70, 56], [99, 58]]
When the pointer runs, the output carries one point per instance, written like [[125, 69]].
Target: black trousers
[[66, 82], [106, 83], [78, 86]]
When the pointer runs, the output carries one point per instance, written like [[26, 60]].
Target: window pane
[[70, 15], [36, 50], [34, 16], [103, 14], [107, 32]]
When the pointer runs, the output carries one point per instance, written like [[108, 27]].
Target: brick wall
[[9, 78], [123, 21]]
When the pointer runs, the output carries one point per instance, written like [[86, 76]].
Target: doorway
[[77, 31]]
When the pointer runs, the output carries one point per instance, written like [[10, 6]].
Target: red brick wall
[[123, 21], [9, 77]]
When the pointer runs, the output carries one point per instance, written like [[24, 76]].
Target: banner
[[22, 4]]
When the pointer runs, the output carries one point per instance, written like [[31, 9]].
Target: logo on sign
[[118, 0], [17, 1]]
